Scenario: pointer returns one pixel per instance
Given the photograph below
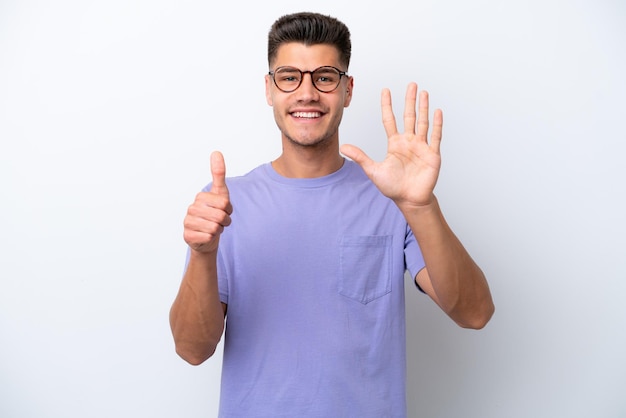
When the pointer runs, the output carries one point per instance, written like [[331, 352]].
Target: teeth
[[306, 114]]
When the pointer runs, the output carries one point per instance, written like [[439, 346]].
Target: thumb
[[218, 172], [359, 156]]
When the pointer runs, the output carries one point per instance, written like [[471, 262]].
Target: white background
[[109, 111]]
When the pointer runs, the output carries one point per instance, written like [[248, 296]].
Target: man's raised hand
[[210, 212], [409, 172]]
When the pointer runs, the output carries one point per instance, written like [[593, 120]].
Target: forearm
[[458, 285], [197, 315]]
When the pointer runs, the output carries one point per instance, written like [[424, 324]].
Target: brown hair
[[310, 29]]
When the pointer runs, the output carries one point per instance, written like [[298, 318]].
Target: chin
[[309, 142]]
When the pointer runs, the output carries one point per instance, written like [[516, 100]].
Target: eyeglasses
[[325, 79]]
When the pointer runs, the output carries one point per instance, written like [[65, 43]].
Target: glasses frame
[[302, 73]]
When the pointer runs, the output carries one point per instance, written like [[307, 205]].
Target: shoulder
[[355, 171], [357, 179]]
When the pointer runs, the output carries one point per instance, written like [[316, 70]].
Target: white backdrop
[[109, 111]]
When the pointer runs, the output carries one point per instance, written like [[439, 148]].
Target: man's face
[[306, 116]]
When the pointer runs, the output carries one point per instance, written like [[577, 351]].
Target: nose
[[307, 90]]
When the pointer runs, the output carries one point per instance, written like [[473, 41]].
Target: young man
[[307, 271]]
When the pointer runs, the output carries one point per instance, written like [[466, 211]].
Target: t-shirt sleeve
[[222, 278], [413, 257]]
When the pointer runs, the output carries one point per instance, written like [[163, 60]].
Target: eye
[[287, 75], [326, 76]]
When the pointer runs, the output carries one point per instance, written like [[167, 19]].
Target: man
[[304, 258]]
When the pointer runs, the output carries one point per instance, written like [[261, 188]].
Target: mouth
[[306, 115]]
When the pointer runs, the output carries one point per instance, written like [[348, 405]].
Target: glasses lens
[[287, 78], [326, 79]]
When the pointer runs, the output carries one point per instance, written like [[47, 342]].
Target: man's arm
[[197, 314], [451, 277], [408, 176]]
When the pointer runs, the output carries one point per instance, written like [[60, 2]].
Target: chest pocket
[[365, 267]]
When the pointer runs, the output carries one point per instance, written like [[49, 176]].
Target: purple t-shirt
[[312, 271]]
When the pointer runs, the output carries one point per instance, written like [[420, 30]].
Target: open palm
[[409, 172]]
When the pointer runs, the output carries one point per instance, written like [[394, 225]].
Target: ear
[[349, 90], [268, 90]]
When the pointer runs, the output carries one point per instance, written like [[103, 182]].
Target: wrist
[[202, 256], [423, 207]]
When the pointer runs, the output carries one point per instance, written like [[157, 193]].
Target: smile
[[307, 115]]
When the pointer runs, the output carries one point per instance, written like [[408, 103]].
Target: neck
[[308, 162]]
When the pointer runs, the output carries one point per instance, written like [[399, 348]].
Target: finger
[[409, 108], [218, 172], [422, 120], [357, 155], [436, 134], [202, 226], [206, 210], [389, 120]]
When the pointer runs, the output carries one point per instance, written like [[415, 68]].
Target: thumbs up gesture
[[210, 212]]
